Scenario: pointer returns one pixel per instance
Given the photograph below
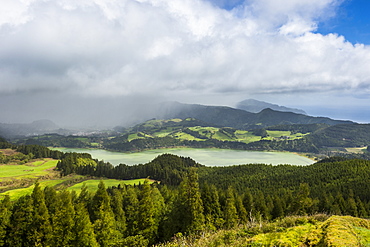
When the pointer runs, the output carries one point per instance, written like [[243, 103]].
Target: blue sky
[[68, 60], [352, 20]]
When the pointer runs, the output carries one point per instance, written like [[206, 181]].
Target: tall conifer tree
[[21, 221], [190, 215], [5, 213], [104, 221], [41, 230], [83, 230], [230, 213], [119, 214], [146, 212], [63, 220]]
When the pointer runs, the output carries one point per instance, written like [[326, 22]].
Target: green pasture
[[186, 136], [157, 123], [245, 136], [163, 132], [276, 134], [356, 150], [136, 136], [92, 184], [32, 169], [212, 133], [16, 193], [206, 131]]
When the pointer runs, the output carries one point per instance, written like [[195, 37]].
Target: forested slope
[[189, 200], [318, 138]]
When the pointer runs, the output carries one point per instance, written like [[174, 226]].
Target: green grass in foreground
[[32, 169], [316, 230], [92, 184]]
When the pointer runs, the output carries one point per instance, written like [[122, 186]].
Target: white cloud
[[115, 47]]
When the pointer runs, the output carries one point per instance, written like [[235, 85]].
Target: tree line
[[146, 214]]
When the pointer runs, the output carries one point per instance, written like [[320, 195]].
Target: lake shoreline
[[204, 156]]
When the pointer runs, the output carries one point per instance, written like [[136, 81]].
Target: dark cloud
[[63, 56]]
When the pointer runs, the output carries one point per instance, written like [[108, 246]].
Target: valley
[[281, 179]]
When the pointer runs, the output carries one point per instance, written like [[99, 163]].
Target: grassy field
[[281, 134], [186, 136], [16, 193], [28, 170], [92, 184], [156, 129], [245, 136], [356, 150]]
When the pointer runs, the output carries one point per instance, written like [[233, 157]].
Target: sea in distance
[[204, 156]]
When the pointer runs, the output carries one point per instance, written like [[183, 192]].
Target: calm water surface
[[205, 156]]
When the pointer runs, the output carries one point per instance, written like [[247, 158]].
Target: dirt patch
[[8, 151]]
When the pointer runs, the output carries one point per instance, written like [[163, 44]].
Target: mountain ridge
[[41, 126], [255, 106], [224, 116]]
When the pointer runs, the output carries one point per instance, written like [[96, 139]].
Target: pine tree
[[248, 201], [130, 205], [5, 213], [277, 210], [146, 211], [85, 196], [160, 208], [189, 205], [105, 227], [242, 212], [100, 198], [119, 214], [302, 202], [361, 208], [261, 210], [41, 230], [351, 206], [63, 220], [21, 221], [50, 199], [341, 204], [103, 218], [212, 207], [230, 213], [83, 231]]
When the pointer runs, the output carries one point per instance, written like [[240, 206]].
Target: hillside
[[35, 128], [223, 116], [255, 106], [317, 230], [317, 138]]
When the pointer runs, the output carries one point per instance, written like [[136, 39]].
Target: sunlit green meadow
[[92, 184], [16, 193], [32, 169]]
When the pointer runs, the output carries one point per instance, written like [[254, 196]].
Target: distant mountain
[[255, 106], [223, 116], [20, 129]]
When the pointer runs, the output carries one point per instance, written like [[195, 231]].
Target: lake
[[205, 156]]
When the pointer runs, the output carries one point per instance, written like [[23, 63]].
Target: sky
[[101, 62]]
